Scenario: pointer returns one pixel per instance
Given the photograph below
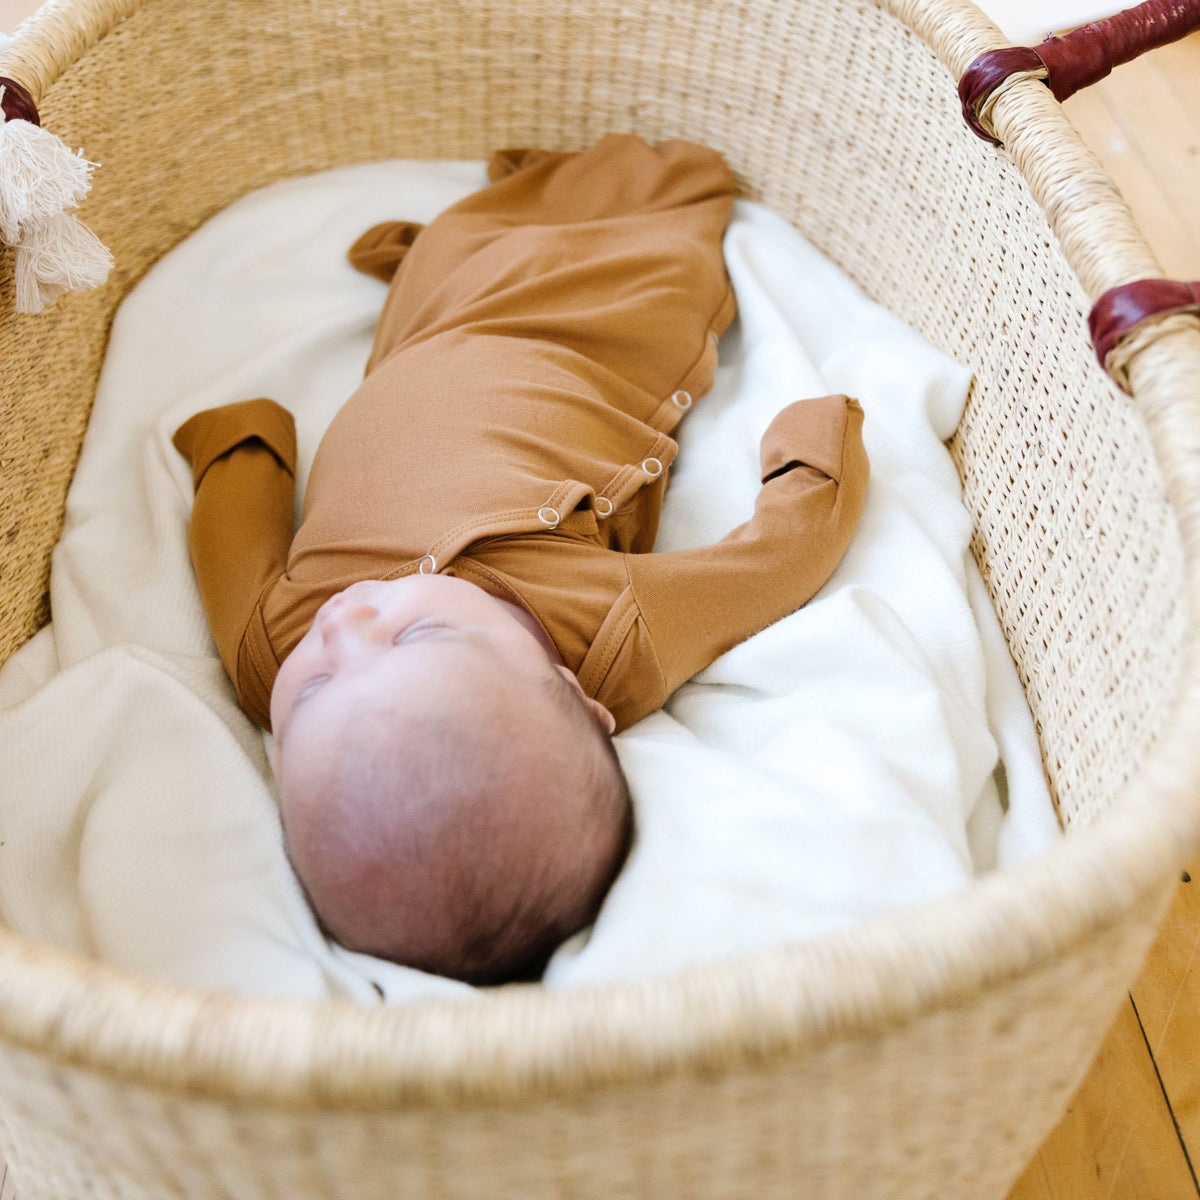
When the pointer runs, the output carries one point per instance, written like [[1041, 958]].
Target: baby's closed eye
[[311, 685], [419, 627]]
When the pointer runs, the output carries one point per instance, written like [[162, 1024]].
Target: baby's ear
[[602, 716]]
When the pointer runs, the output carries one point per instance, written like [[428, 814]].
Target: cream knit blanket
[[870, 751]]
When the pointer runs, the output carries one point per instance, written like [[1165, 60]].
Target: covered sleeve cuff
[[810, 433], [208, 435], [380, 251]]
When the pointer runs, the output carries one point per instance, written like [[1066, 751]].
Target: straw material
[[925, 1054]]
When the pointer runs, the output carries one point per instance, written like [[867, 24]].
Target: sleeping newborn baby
[[469, 608]]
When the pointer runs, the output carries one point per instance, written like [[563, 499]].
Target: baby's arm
[[699, 603], [243, 459]]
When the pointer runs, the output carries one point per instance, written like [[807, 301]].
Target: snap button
[[548, 516], [421, 570], [653, 467], [604, 506], [682, 399]]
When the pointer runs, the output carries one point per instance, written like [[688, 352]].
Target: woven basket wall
[[925, 1054]]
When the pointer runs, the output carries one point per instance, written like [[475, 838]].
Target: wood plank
[[1167, 996], [1180, 63], [1144, 100], [1176, 249], [1117, 1140]]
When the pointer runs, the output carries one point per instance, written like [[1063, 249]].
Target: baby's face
[[400, 639]]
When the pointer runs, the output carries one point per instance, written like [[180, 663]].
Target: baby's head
[[451, 799]]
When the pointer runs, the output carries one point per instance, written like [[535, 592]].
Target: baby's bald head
[[465, 823]]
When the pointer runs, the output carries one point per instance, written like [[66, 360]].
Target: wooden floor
[[1133, 1130]]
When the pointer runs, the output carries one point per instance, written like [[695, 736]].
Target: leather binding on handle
[[1079, 58], [1122, 310], [17, 103]]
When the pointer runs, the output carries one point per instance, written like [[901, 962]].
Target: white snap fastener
[[682, 399], [604, 506], [653, 467], [422, 569], [548, 516]]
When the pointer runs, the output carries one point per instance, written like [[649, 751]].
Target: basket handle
[[1066, 64], [1076, 59]]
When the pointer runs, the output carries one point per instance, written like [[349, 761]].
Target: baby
[[468, 610]]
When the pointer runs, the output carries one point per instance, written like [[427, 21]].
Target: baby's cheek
[[288, 680]]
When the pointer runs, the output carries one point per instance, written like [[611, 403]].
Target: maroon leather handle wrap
[[17, 103], [1087, 54], [1081, 57], [1122, 309], [985, 74]]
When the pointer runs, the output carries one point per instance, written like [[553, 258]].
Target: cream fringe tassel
[[39, 179]]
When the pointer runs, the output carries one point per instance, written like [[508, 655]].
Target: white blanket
[[841, 763]]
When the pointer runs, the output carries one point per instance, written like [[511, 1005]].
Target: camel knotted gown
[[539, 343]]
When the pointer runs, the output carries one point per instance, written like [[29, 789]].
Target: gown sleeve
[[243, 459], [380, 251], [696, 604]]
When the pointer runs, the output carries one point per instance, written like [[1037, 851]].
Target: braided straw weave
[[922, 1055]]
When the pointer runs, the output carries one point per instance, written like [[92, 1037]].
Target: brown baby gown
[[539, 342]]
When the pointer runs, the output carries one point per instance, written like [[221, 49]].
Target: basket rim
[[527, 1040]]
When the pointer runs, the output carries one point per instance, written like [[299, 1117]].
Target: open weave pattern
[[852, 1062]]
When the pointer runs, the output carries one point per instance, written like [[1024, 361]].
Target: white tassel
[[59, 255], [39, 179]]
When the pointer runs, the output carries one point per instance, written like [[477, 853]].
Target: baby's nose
[[350, 618]]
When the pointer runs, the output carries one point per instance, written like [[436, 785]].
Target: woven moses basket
[[924, 1054]]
